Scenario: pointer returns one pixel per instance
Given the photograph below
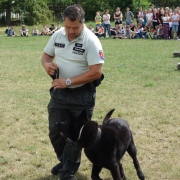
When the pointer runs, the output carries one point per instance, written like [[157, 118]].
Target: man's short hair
[[74, 12]]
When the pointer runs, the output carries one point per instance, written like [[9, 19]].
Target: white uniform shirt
[[74, 58]]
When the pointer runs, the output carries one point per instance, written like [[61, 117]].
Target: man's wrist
[[68, 82]]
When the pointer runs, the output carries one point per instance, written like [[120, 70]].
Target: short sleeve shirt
[[175, 17], [106, 18], [74, 58]]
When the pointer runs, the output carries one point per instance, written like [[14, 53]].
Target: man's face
[[73, 28]]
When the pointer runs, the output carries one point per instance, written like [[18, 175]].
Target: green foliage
[[164, 3], [140, 3], [37, 13]]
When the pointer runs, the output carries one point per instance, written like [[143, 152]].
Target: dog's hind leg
[[123, 177], [95, 172], [133, 153]]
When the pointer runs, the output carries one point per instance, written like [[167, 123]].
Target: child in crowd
[[98, 19], [99, 31], [24, 31], [91, 28], [11, 32], [51, 30], [151, 33], [160, 32], [45, 30], [128, 32], [113, 31], [35, 31], [139, 31], [145, 32], [58, 26]]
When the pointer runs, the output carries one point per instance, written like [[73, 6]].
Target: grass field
[[141, 83]]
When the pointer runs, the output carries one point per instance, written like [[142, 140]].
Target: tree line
[[33, 12]]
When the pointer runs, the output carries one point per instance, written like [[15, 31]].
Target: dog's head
[[71, 128]]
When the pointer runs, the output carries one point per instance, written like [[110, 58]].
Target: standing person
[[129, 16], [149, 18], [78, 57], [98, 19], [140, 15], [166, 27], [106, 21], [155, 20], [175, 23], [118, 16], [144, 18]]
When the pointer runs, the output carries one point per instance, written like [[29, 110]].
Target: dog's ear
[[108, 115]]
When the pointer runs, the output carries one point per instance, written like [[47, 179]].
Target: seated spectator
[[151, 33], [45, 30], [132, 26], [121, 34], [133, 29], [113, 31], [128, 32], [11, 32], [51, 30], [99, 31], [91, 28], [160, 32], [145, 32], [35, 31], [58, 26], [139, 31], [24, 31]]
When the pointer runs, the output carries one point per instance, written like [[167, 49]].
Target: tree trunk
[[8, 14]]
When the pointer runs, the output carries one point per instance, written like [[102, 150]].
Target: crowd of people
[[154, 23], [46, 31]]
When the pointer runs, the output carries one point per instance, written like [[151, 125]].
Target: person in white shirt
[[106, 21], [78, 58], [175, 23], [149, 18], [166, 26]]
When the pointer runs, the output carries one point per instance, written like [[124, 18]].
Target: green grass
[[141, 83]]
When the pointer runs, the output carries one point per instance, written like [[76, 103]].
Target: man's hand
[[50, 67], [59, 83], [48, 64]]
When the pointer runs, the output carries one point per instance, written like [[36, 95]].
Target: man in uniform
[[78, 57]]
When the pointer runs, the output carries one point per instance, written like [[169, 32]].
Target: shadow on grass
[[79, 176]]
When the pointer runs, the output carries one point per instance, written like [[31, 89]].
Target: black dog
[[104, 145]]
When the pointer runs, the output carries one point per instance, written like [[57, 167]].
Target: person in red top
[[156, 20]]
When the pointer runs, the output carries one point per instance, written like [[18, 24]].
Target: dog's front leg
[[95, 172], [123, 177], [116, 173]]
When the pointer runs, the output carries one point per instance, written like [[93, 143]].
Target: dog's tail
[[108, 115]]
